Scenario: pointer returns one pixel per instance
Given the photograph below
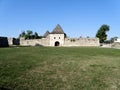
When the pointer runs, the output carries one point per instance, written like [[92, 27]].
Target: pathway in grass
[[60, 68]]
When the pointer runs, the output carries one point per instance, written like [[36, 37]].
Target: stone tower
[[57, 36]]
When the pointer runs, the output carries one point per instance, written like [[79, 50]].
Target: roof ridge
[[46, 34]]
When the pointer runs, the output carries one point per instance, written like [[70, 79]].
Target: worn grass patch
[[59, 68]]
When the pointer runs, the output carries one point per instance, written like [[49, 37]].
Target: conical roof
[[57, 30], [46, 34]]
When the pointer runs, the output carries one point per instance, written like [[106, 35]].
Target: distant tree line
[[30, 35]]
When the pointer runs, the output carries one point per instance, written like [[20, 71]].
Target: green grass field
[[59, 68]]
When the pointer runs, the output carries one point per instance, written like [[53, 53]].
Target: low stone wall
[[35, 42], [116, 44], [81, 42], [67, 42], [5, 42], [13, 41]]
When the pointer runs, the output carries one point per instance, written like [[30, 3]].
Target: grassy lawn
[[59, 68]]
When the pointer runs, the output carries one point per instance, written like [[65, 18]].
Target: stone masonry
[[57, 38]]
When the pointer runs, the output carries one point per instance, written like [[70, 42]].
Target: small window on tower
[[54, 37], [59, 37]]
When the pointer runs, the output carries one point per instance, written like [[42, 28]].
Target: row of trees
[[29, 35]]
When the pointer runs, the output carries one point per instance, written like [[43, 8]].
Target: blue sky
[[76, 17]]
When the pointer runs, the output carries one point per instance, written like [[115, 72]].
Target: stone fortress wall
[[34, 42], [65, 42], [58, 38], [5, 41], [81, 42], [50, 41]]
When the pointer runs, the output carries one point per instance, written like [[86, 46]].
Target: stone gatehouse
[[58, 38]]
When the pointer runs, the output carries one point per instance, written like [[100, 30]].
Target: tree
[[101, 33], [36, 35], [28, 34], [22, 34]]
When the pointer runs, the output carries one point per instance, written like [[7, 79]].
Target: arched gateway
[[57, 43]]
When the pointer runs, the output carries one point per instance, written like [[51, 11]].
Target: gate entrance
[[57, 43]]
